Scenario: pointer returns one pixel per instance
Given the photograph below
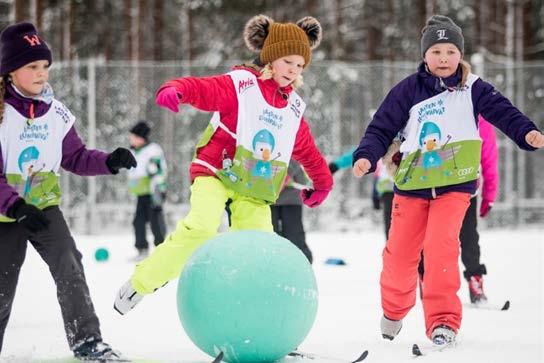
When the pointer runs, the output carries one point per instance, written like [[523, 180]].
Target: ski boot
[[127, 298], [94, 349], [390, 328], [476, 289]]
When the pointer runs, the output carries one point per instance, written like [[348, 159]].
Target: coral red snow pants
[[432, 225]]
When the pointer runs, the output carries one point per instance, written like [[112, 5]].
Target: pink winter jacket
[[489, 162]]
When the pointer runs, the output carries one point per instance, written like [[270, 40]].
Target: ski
[[218, 358], [304, 355], [417, 352], [488, 306]]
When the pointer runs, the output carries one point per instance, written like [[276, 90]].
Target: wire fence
[[109, 97]]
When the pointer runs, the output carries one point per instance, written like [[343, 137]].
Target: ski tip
[[219, 358], [416, 351], [362, 357], [506, 306], [298, 354]]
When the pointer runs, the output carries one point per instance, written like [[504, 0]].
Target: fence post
[[91, 141]]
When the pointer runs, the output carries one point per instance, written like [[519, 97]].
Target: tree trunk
[[67, 29], [142, 7], [128, 27], [157, 30], [20, 7]]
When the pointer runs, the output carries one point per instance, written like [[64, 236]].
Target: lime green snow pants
[[207, 205]]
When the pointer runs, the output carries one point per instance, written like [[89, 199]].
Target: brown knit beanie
[[275, 40]]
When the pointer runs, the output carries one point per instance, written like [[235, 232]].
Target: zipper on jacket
[[442, 84], [30, 120]]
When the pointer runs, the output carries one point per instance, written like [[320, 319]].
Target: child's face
[[31, 78], [135, 140], [442, 59], [287, 69]]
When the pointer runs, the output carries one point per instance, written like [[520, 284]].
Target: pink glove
[[312, 198], [169, 98], [485, 207]]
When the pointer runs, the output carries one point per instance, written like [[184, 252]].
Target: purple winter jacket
[[75, 156], [393, 114]]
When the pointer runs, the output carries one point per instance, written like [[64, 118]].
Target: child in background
[[287, 211], [343, 161], [382, 185], [383, 193], [148, 183], [469, 237], [256, 129], [37, 137], [436, 111]]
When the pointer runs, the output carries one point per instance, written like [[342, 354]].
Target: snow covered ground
[[349, 306]]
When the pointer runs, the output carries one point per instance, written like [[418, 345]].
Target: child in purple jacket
[[436, 111], [37, 137]]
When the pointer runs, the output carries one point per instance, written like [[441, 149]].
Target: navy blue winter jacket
[[393, 115]]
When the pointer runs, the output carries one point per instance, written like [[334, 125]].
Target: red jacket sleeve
[[214, 93], [309, 156]]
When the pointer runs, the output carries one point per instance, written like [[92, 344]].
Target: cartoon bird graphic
[[432, 152], [261, 163], [28, 159], [429, 142]]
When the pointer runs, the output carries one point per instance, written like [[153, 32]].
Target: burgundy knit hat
[[20, 45]]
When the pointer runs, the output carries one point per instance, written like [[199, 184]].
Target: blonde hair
[[268, 73], [465, 70], [2, 93]]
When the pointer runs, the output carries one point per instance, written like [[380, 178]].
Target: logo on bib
[[63, 113], [295, 107], [244, 84]]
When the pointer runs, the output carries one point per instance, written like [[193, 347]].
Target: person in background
[[148, 183], [287, 211], [469, 237], [37, 138], [382, 185], [343, 161], [382, 194]]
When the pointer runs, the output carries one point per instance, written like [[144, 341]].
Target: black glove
[[29, 216], [120, 158], [333, 167]]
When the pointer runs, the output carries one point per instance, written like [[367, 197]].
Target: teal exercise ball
[[101, 255], [251, 295]]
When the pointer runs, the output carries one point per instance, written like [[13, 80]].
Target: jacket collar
[[269, 83], [436, 83], [29, 107]]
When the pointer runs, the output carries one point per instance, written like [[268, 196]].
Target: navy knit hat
[[20, 45], [441, 29], [141, 129]]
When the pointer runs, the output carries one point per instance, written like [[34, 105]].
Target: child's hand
[[29, 216], [361, 167], [312, 198], [485, 207], [120, 158], [169, 98], [535, 139]]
